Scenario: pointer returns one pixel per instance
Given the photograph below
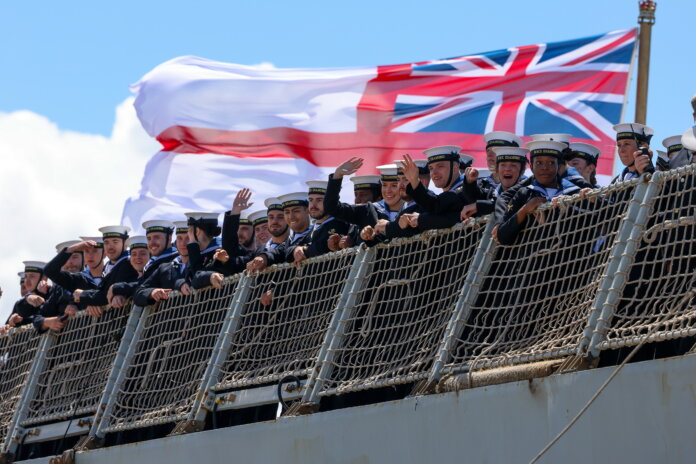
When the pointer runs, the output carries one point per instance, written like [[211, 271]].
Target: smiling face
[[441, 173], [509, 173], [297, 218], [181, 241], [157, 242], [113, 247], [390, 194], [490, 159], [138, 258], [545, 170], [262, 233], [245, 234], [276, 223], [94, 257], [583, 167]]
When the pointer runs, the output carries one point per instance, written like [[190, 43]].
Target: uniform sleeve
[[509, 229], [230, 239], [122, 272], [426, 199], [65, 279], [141, 297], [319, 244], [361, 215], [429, 221], [126, 289]]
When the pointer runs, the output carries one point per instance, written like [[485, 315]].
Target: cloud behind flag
[[226, 126]]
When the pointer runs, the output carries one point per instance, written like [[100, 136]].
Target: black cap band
[[182, 230], [137, 245], [516, 158], [674, 148], [165, 230], [445, 157], [33, 269], [275, 206], [261, 220], [202, 222], [245, 222], [501, 143], [291, 203], [545, 152], [317, 191], [114, 235]]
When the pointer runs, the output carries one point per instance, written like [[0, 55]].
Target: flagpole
[[646, 19]]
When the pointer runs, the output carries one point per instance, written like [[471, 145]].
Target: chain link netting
[[170, 357], [535, 300], [17, 352], [284, 337], [659, 297], [393, 332], [76, 366]]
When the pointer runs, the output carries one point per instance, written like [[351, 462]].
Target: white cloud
[[56, 185]]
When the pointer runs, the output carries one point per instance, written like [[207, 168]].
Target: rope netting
[[17, 351], [76, 366], [171, 354], [284, 337], [536, 297], [659, 297], [402, 308]]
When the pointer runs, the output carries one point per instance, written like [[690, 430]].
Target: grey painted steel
[[15, 431], [620, 276], [257, 396], [335, 321], [324, 365], [640, 417], [618, 248], [126, 350], [205, 398], [480, 264], [56, 430]]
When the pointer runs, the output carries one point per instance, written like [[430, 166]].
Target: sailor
[[367, 189], [583, 158], [139, 251], [677, 154], [22, 283], [296, 210], [547, 184], [630, 138], [443, 163], [324, 226], [259, 221], [465, 161], [204, 239], [565, 171], [27, 307], [245, 232], [688, 138], [277, 227], [662, 161], [88, 249], [59, 302], [360, 214], [168, 277], [117, 269], [497, 139], [511, 163], [423, 171], [159, 243]]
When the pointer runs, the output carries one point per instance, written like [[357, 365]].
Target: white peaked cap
[[97, 238], [136, 240], [158, 223], [372, 179], [517, 152], [442, 150], [502, 135], [564, 138], [256, 215], [634, 127], [180, 225], [688, 139], [546, 145], [466, 158], [66, 244], [586, 148], [123, 230], [387, 169], [272, 201], [33, 266], [198, 215]]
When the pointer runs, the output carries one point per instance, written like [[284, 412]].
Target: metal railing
[[612, 269]]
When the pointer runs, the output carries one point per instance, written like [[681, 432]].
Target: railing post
[[205, 398], [124, 355], [14, 430], [631, 239], [612, 267], [333, 339], [478, 269]]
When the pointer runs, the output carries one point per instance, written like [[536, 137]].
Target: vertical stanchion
[[612, 267], [620, 276], [478, 269], [335, 321], [126, 350], [205, 398], [344, 312], [14, 430]]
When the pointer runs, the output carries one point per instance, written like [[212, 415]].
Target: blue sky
[[66, 67], [72, 61]]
